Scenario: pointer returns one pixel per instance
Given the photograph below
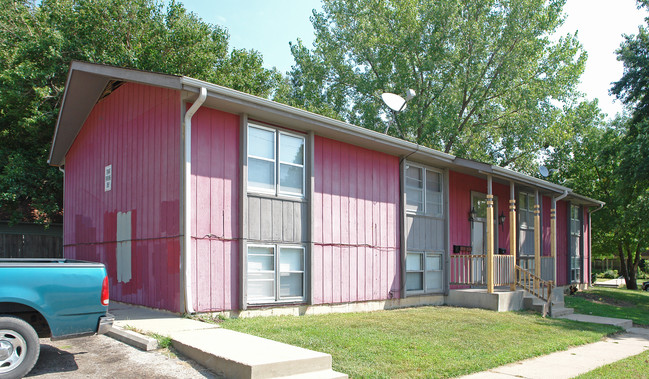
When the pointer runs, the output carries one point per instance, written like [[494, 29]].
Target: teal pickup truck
[[56, 298]]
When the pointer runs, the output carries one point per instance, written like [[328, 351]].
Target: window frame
[[423, 254], [575, 269], [277, 298], [277, 162], [424, 190]]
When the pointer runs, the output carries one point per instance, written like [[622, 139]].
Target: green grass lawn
[[612, 302], [424, 341], [636, 367]]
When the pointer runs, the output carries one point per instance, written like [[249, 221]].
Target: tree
[[596, 166], [491, 84], [39, 39]]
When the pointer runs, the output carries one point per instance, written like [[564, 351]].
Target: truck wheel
[[19, 347]]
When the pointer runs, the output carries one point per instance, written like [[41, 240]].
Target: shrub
[[610, 274]]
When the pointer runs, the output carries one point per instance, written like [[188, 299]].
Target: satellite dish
[[544, 171], [394, 101]]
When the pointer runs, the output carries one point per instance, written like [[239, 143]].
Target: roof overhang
[[86, 83]]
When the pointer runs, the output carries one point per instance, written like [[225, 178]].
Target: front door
[[479, 235]]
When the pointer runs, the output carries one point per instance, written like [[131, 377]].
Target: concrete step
[[535, 304], [327, 374], [557, 312], [238, 355]]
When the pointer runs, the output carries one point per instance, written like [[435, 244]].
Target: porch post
[[512, 234], [553, 237], [490, 237], [537, 238]]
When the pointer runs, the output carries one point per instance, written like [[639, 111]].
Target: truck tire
[[19, 347]]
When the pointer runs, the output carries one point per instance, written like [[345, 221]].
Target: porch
[[513, 287]]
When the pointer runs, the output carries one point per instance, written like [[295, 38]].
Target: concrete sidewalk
[[575, 361], [225, 352]]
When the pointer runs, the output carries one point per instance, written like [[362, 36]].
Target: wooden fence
[[31, 241]]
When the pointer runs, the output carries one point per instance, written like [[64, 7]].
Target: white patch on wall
[[108, 178], [124, 246]]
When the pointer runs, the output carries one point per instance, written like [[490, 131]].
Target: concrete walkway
[[238, 355], [576, 361], [225, 352]]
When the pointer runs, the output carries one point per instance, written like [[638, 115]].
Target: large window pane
[[413, 262], [261, 174], [291, 285], [291, 149], [261, 287], [291, 259], [433, 262], [291, 179], [414, 189], [434, 280], [414, 281], [261, 143]]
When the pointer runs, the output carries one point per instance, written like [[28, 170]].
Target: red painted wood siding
[[356, 224], [215, 210], [546, 242], [137, 130], [562, 243], [460, 187]]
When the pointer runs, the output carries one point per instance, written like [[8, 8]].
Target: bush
[[609, 274]]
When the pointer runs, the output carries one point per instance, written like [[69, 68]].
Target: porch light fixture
[[472, 214], [501, 220]]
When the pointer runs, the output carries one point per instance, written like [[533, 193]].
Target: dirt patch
[[597, 299]]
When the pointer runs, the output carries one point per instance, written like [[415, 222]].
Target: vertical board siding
[[562, 243], [460, 188], [215, 210], [586, 251], [546, 241], [356, 254], [276, 220], [136, 130]]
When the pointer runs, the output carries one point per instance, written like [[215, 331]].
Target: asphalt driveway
[[104, 357]]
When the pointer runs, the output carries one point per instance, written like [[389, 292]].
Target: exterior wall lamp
[[472, 215], [501, 220]]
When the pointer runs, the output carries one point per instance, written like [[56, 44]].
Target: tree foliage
[[491, 83], [39, 39]]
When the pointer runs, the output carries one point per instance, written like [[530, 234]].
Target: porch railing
[[535, 285], [468, 269], [503, 269]]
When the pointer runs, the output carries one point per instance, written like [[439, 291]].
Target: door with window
[[479, 235], [526, 203]]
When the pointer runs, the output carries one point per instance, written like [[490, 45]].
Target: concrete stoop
[[238, 355]]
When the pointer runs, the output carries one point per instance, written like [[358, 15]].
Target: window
[[526, 202], [424, 271], [275, 273], [424, 193], [575, 244], [108, 178], [269, 173]]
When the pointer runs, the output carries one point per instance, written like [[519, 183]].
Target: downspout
[[590, 243], [554, 231], [187, 261]]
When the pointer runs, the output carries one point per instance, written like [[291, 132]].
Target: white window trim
[[276, 261], [276, 163], [423, 190]]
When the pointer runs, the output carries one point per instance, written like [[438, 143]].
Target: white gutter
[[189, 306]]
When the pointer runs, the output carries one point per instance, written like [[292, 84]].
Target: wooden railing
[[503, 269], [535, 285], [468, 269]]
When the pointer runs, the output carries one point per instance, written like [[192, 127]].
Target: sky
[[269, 26]]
